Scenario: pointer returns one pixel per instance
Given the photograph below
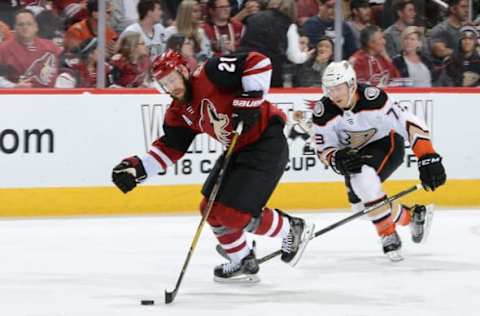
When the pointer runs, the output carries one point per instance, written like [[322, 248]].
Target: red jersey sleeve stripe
[[257, 71]]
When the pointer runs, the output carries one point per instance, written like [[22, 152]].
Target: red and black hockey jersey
[[214, 86]]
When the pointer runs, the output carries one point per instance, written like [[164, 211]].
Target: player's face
[[25, 27], [339, 94], [174, 85]]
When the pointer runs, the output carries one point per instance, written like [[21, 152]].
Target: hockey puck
[[148, 302]]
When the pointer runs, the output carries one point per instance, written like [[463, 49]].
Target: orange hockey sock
[[385, 226]]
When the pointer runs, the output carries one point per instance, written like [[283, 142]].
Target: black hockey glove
[[246, 109], [347, 161], [432, 172], [128, 173]]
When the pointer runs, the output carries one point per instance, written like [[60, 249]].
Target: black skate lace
[[230, 267], [388, 240], [287, 243]]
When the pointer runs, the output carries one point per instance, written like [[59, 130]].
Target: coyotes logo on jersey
[[43, 70], [218, 122]]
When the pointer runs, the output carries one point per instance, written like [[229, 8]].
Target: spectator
[[50, 25], [124, 14], [179, 43], [32, 61], [304, 42], [224, 33], [412, 64], [72, 11], [152, 31], [188, 23], [464, 69], [5, 32], [371, 62], [310, 73], [7, 11], [87, 28], [324, 24], [306, 9], [131, 65], [444, 36], [273, 33], [79, 67], [241, 11], [405, 14], [361, 15], [389, 15]]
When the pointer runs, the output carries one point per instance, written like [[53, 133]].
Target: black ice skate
[[391, 247], [421, 221], [297, 239], [244, 271]]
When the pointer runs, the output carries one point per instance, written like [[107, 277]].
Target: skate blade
[[428, 222], [307, 235], [239, 279], [394, 256]]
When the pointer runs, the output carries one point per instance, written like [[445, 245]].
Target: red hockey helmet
[[166, 63]]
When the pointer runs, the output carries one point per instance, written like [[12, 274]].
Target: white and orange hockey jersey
[[373, 117]]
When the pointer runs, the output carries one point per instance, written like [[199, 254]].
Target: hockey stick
[[170, 296], [350, 218]]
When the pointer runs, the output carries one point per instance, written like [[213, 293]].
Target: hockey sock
[[384, 226], [271, 224], [233, 242], [401, 215]]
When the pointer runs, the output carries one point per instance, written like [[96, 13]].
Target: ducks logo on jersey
[[357, 139]]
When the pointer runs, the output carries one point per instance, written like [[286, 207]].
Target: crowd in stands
[[414, 43]]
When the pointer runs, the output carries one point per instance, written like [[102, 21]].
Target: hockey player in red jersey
[[360, 133], [213, 100]]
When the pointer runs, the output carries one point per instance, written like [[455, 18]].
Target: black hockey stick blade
[[350, 218], [170, 296]]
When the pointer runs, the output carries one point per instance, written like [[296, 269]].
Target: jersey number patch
[[227, 64]]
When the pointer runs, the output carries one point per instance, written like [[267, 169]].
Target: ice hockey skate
[[244, 271], [391, 247], [421, 222], [294, 244]]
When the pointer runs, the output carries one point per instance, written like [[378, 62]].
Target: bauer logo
[[27, 141]]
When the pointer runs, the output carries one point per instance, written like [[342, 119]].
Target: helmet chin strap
[[351, 99]]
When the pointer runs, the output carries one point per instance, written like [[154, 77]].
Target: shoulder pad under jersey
[[371, 98], [324, 111], [226, 71]]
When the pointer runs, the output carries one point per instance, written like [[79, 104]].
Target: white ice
[[105, 266]]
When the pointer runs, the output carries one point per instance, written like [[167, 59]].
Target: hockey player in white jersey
[[360, 133]]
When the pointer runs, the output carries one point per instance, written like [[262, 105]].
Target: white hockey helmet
[[337, 73]]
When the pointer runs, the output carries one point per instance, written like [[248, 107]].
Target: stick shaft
[[350, 218], [170, 296]]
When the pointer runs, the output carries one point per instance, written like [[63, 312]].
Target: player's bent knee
[[229, 216]]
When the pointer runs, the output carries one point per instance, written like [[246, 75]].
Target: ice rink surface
[[105, 266]]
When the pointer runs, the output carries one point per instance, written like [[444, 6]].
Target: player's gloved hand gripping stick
[[170, 296]]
